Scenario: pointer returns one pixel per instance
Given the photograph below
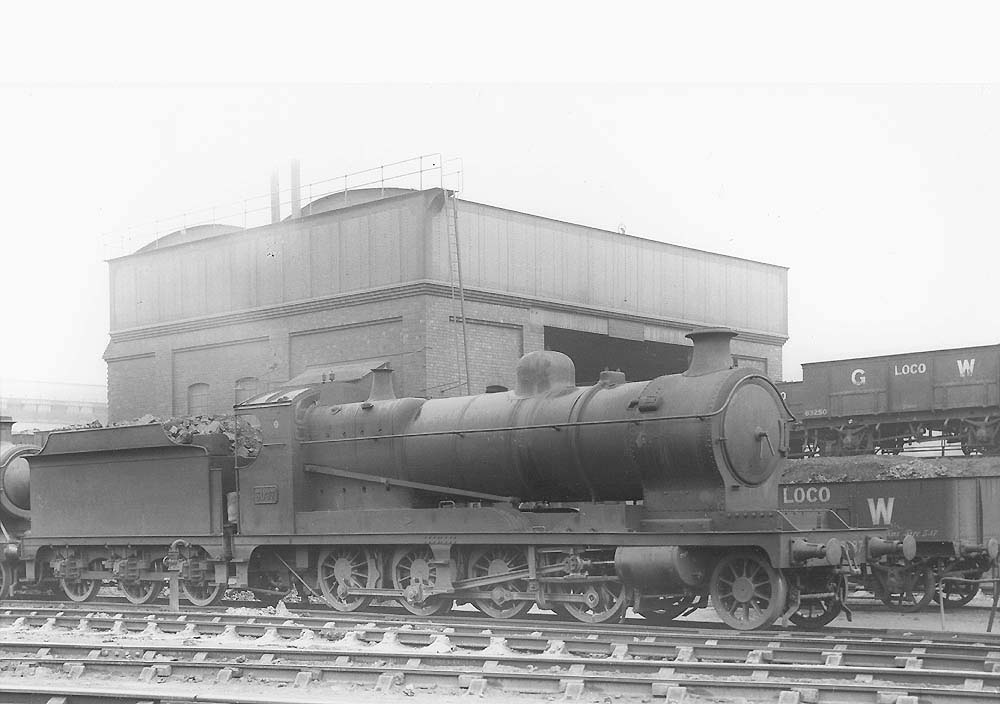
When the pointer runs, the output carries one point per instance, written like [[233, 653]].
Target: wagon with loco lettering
[[955, 522], [883, 404]]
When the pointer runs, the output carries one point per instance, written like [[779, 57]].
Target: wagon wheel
[[345, 567], [83, 589], [602, 601], [907, 588], [413, 572], [956, 594], [662, 612], [817, 613], [140, 591], [747, 592], [499, 560]]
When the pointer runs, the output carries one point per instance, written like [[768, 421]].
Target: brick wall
[[152, 374], [420, 335], [128, 386], [496, 340], [219, 366]]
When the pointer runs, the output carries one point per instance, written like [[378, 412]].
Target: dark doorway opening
[[639, 359]]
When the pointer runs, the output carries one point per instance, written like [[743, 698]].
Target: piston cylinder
[[663, 569]]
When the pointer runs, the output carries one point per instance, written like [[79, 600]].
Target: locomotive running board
[[419, 486]]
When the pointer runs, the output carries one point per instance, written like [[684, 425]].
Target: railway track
[[302, 656]]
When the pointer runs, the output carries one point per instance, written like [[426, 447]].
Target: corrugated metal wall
[[362, 247], [536, 257], [383, 243]]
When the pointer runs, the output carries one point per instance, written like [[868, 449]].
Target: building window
[[198, 399], [247, 387]]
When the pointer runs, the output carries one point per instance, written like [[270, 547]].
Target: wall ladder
[[455, 276]]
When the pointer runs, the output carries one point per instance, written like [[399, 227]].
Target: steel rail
[[659, 643], [390, 663]]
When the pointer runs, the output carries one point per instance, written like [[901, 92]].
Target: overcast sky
[[881, 199]]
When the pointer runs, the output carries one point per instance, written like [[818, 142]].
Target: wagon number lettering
[[803, 495], [908, 369]]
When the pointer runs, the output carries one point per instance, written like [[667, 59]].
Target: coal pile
[[244, 439], [862, 468]]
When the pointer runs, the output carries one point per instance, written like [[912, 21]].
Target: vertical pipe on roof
[[296, 191], [275, 198]]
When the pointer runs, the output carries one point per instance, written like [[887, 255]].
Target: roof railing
[[419, 173]]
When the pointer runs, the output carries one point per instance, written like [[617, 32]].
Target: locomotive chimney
[[6, 429], [381, 385], [711, 351]]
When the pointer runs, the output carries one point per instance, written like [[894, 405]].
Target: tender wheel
[[342, 568], [199, 588], [747, 592], [907, 588], [204, 593], [957, 594], [603, 601], [498, 560], [140, 592], [818, 613], [83, 589], [662, 612], [413, 572]]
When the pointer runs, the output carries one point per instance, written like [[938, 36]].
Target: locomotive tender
[[582, 500], [881, 404]]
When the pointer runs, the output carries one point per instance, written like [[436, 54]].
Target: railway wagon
[[582, 500], [881, 404], [955, 522]]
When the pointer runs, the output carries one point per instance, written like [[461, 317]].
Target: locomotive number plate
[[265, 494]]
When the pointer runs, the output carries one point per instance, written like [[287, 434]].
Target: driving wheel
[[747, 592], [414, 572], [345, 567], [494, 561]]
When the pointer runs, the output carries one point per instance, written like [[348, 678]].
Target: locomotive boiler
[[658, 495], [682, 442]]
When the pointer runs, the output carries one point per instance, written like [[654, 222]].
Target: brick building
[[207, 316]]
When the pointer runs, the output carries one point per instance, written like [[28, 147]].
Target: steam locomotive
[[657, 495]]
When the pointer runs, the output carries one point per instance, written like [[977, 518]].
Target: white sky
[[872, 171]]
